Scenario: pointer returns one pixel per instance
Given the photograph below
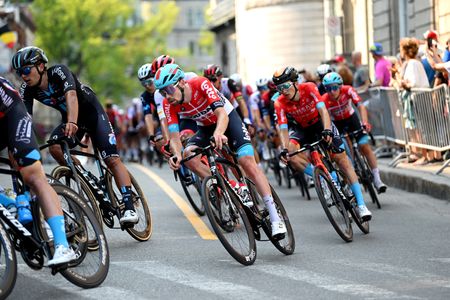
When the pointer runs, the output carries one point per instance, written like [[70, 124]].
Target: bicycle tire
[[8, 260], [64, 175], [81, 225], [142, 230], [287, 177], [247, 255], [367, 179], [198, 205], [285, 245], [341, 213]]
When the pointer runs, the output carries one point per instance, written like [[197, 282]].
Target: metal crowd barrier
[[419, 118]]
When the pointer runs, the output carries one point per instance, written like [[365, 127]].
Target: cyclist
[[197, 99], [18, 136], [339, 99], [152, 98], [59, 88], [311, 121], [321, 71], [135, 123]]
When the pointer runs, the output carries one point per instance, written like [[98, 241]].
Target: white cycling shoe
[[278, 229], [364, 213], [62, 255], [130, 217]]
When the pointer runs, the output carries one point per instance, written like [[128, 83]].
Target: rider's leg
[[195, 164], [366, 150]]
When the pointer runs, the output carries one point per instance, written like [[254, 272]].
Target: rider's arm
[[237, 95], [72, 106], [326, 121], [282, 122], [149, 124], [222, 120], [164, 128]]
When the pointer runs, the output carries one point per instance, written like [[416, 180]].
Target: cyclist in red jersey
[[197, 99], [311, 122], [339, 99]]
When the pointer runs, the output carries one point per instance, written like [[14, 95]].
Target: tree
[[102, 41]]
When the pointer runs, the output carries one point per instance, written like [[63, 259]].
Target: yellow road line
[[190, 214]]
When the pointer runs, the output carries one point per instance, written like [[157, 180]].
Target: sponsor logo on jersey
[[6, 99], [23, 132], [208, 89], [59, 72]]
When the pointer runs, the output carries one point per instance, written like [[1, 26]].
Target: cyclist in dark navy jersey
[[80, 110], [18, 136]]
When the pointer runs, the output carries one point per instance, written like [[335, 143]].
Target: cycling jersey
[[205, 99], [342, 108], [15, 123], [305, 111], [9, 96]]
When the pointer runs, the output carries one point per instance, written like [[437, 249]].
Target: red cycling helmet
[[161, 61], [212, 72]]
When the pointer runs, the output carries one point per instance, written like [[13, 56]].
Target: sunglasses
[[284, 86], [24, 71], [169, 90], [333, 87], [147, 82]]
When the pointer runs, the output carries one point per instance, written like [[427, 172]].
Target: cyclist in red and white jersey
[[197, 99], [339, 99], [311, 122]]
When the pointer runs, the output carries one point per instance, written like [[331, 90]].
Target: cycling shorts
[[351, 124], [311, 134]]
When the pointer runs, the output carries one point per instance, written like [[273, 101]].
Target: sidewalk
[[417, 179]]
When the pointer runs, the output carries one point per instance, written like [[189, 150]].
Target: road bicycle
[[34, 241], [101, 194], [192, 187], [237, 224], [334, 192], [361, 165]]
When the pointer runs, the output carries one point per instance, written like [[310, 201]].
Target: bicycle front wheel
[[368, 181], [142, 230], [332, 205], [192, 187], [229, 221], [8, 264], [91, 266]]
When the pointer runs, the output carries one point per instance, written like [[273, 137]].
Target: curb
[[416, 182]]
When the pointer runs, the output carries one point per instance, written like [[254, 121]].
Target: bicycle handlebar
[[59, 140]]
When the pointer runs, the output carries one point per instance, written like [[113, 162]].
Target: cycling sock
[[273, 213], [126, 197], [356, 189], [376, 174], [309, 170], [56, 224]]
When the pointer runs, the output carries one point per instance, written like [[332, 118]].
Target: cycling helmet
[[212, 72], [237, 78], [28, 56], [161, 61], [167, 75], [271, 85], [262, 82], [284, 75], [332, 78], [145, 72], [323, 69]]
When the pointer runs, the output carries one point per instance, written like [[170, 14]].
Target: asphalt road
[[405, 256]]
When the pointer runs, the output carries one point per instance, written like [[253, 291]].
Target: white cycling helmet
[[262, 82], [145, 71], [236, 77], [323, 69]]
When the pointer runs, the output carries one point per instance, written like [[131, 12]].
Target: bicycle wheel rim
[[332, 205], [192, 191], [8, 264], [238, 240]]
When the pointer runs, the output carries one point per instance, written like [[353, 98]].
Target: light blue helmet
[[332, 78], [167, 75]]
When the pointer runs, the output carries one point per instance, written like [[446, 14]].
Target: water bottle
[[23, 208]]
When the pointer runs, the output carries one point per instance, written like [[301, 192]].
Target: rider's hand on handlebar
[[70, 129], [165, 150], [174, 162], [220, 140], [284, 155], [367, 126], [327, 136]]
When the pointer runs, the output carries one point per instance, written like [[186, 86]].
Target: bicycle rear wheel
[[8, 264], [332, 205], [91, 266], [192, 187], [229, 221], [367, 179], [285, 245], [142, 230]]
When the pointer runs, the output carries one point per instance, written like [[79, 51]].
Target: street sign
[[334, 26]]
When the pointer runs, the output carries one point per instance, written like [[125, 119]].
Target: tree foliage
[[103, 41]]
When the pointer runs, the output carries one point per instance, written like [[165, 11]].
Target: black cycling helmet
[[212, 72], [28, 56], [284, 75]]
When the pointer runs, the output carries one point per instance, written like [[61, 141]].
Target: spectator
[[446, 56], [431, 42], [361, 80], [343, 70], [382, 66]]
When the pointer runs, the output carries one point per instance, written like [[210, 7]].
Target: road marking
[[441, 259], [190, 214], [423, 279], [60, 283], [329, 283], [225, 289]]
